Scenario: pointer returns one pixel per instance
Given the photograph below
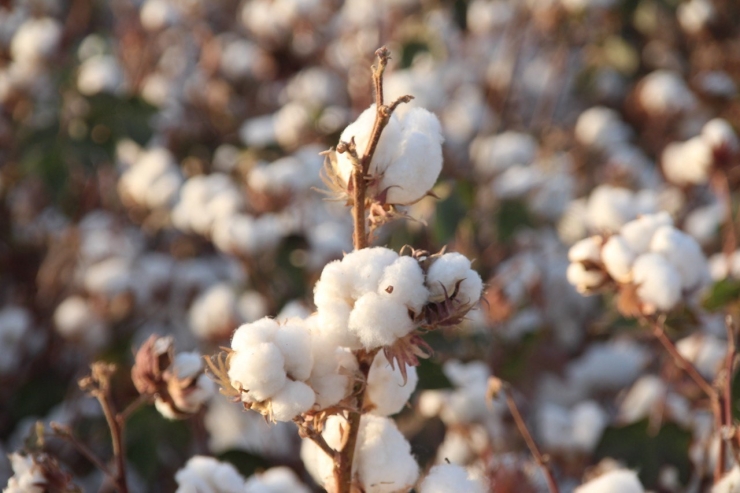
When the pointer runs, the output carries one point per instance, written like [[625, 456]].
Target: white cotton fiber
[[658, 282], [616, 481], [365, 267], [601, 128], [206, 474], [642, 399], [639, 232], [584, 279], [684, 253], [333, 321], [587, 249], [444, 274], [293, 399], [403, 282], [386, 389], [730, 482], [294, 342], [608, 208], [248, 335], [379, 322], [617, 258], [687, 163], [259, 370], [384, 460], [279, 479], [450, 478]]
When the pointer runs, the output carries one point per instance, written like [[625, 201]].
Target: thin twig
[[64, 433], [542, 460], [721, 187], [318, 439], [133, 407]]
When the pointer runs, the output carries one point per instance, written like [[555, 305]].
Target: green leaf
[[723, 292]]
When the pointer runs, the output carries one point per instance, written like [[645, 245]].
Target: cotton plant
[[340, 371]]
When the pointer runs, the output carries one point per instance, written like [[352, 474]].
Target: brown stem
[[721, 186], [133, 407], [542, 460]]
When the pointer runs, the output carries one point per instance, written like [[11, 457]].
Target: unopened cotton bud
[[658, 282], [450, 478]]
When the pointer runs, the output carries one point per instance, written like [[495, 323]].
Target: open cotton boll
[[35, 40], [251, 334], [589, 421], [608, 366], [75, 319], [658, 282], [615, 481], [418, 161], [213, 314], [379, 322], [279, 479], [294, 342], [730, 482], [386, 388], [601, 128], [259, 370], [608, 208], [586, 250], [583, 278], [28, 476], [639, 232], [719, 134], [665, 92], [467, 375], [687, 163], [684, 253], [494, 154], [207, 475], [403, 282], [449, 269], [333, 324], [703, 223], [365, 267], [383, 456], [450, 478], [704, 351], [617, 258], [361, 130], [293, 399], [642, 399]]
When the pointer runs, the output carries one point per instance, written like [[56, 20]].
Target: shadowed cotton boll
[[664, 92], [658, 282], [249, 235], [615, 481], [705, 351], [451, 478], [214, 313], [15, 324], [642, 399], [494, 154], [577, 430], [75, 320], [208, 475], [716, 83], [153, 180]]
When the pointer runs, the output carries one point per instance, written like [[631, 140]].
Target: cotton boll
[[280, 479], [601, 128], [251, 334], [213, 314], [638, 233], [379, 322], [684, 253], [28, 477], [694, 15], [418, 161], [293, 399], [554, 426], [109, 277], [687, 163], [360, 130], [704, 351], [259, 370], [719, 134], [467, 375], [157, 14], [386, 387], [584, 279], [365, 267], [615, 481], [730, 482], [74, 319], [586, 250], [658, 282], [444, 274], [665, 92], [494, 154], [333, 322], [642, 399], [98, 74], [294, 342], [618, 257], [608, 366], [206, 474], [608, 208], [384, 460], [35, 40], [403, 282], [589, 421], [450, 478]]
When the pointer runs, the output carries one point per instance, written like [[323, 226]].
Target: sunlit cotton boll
[[658, 282], [153, 180], [684, 253], [584, 271], [208, 475], [35, 40], [607, 366], [720, 135], [204, 199], [450, 478], [608, 207], [664, 92], [687, 163], [694, 15], [379, 322], [601, 128], [280, 479], [386, 388], [408, 156], [639, 233], [28, 477], [452, 274], [100, 73], [615, 481], [704, 351], [213, 314], [730, 482]]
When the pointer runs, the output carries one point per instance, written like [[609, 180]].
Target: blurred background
[[159, 167]]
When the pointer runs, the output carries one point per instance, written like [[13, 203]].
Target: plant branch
[[65, 433], [495, 386]]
